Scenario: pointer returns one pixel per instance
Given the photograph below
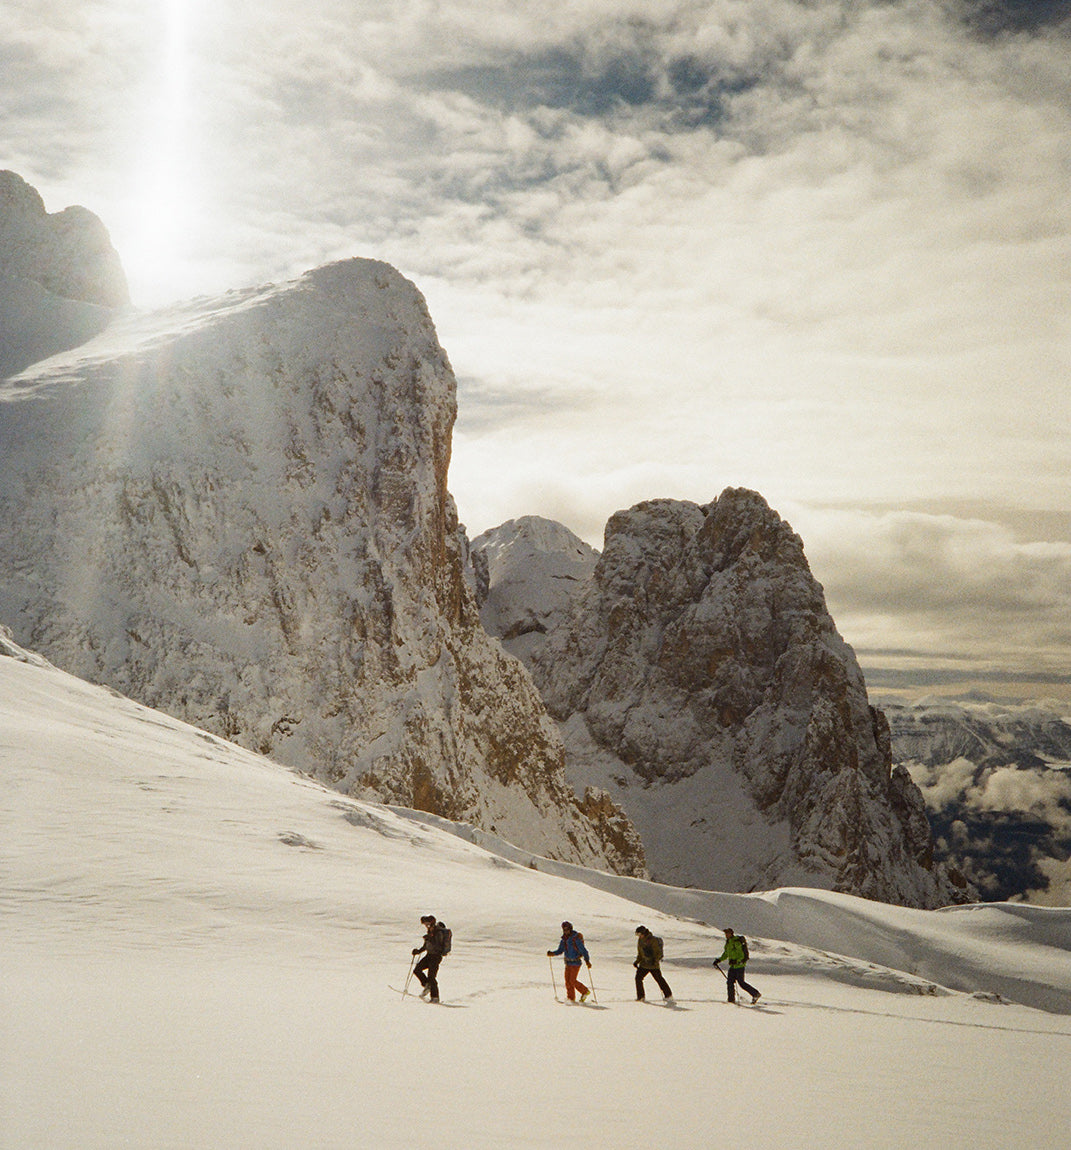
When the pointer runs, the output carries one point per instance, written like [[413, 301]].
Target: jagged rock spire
[[701, 679]]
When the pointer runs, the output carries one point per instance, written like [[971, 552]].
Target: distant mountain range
[[997, 783]]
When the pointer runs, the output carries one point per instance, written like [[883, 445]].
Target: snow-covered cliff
[[60, 277], [701, 680], [237, 513], [535, 568]]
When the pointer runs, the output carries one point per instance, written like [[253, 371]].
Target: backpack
[[447, 936], [743, 946], [656, 946]]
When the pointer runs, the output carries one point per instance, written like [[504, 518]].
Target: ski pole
[[721, 972], [553, 980], [412, 963], [594, 996]]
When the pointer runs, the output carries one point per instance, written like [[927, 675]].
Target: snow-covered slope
[[196, 947], [35, 323], [237, 511], [701, 681], [997, 782]]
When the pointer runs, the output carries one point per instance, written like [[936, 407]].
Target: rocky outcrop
[[701, 680], [69, 253], [60, 277], [243, 520]]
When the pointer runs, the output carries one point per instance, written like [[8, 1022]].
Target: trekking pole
[[412, 963], [553, 980], [721, 972], [594, 996]]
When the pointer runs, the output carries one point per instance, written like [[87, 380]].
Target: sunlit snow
[[197, 948]]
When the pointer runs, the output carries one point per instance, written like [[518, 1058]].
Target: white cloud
[[1046, 794], [943, 585], [944, 785], [822, 250]]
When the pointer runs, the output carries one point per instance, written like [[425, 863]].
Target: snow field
[[197, 944]]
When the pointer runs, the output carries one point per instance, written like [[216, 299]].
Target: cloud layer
[[818, 249]]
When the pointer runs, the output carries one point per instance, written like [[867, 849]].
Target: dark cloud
[[880, 677], [996, 17], [555, 79], [686, 91], [972, 582]]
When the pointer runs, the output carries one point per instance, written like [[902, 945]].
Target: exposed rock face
[[703, 682], [60, 277], [244, 521]]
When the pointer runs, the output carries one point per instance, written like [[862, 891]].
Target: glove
[[416, 952], [636, 964], [550, 954]]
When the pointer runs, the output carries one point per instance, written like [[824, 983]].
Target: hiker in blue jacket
[[573, 948]]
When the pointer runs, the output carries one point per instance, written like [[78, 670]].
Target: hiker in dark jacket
[[648, 961], [433, 946], [572, 946], [736, 952]]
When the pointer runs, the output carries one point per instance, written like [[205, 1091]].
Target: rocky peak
[[701, 680], [242, 519], [69, 253], [534, 570], [60, 277]]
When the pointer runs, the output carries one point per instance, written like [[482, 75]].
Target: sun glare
[[154, 244]]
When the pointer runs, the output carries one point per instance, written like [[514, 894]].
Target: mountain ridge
[[700, 679]]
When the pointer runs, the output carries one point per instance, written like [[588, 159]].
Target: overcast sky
[[820, 248]]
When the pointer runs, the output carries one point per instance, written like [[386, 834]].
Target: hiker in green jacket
[[648, 960], [737, 953]]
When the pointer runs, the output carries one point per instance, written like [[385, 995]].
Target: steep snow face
[[535, 568], [60, 277], [242, 519], [997, 783], [702, 681]]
